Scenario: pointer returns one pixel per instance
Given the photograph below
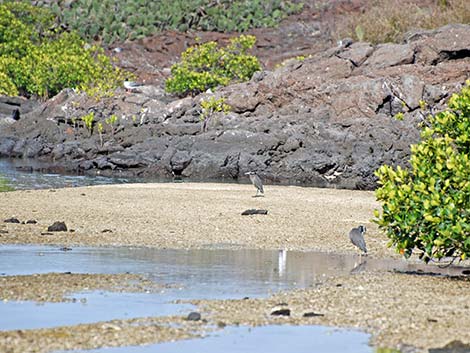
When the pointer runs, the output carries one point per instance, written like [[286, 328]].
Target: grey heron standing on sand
[[357, 238], [257, 182]]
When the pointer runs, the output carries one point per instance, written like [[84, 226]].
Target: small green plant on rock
[[205, 66], [111, 121], [210, 107], [88, 119], [427, 208]]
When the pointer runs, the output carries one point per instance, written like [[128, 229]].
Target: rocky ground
[[326, 120], [410, 312]]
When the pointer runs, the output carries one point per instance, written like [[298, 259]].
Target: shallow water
[[272, 339], [27, 180], [192, 274], [89, 307]]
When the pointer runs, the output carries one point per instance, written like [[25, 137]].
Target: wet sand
[[55, 287], [399, 310]]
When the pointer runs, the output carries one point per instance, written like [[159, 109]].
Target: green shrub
[[427, 207], [205, 66], [39, 61], [213, 105], [118, 20], [89, 119]]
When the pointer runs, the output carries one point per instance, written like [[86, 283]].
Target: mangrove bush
[[426, 208], [38, 59]]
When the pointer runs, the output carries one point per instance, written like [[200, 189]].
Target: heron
[[257, 182], [357, 238]]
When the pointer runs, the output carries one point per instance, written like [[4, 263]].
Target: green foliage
[[428, 207], [399, 116], [359, 31], [88, 119], [205, 66], [213, 105], [118, 20], [386, 350], [111, 121], [4, 185], [7, 87], [35, 60]]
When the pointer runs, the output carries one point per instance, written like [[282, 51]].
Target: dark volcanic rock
[[253, 211], [57, 227], [280, 312], [312, 314], [193, 316], [12, 220], [324, 121]]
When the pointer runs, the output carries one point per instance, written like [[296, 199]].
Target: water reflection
[[12, 178]]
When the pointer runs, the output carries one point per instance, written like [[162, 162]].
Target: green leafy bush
[[114, 20], [427, 207], [205, 66], [36, 60], [213, 105]]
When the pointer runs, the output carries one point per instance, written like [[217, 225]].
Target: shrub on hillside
[[427, 208], [36, 60], [206, 66]]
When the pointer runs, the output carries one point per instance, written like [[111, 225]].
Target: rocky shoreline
[[326, 120]]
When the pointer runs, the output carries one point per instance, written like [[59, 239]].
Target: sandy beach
[[190, 215]]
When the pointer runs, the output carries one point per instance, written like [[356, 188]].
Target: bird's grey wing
[[362, 244], [259, 184], [358, 240]]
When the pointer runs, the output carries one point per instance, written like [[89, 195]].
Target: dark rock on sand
[[57, 227], [194, 316], [12, 220], [254, 211], [280, 312]]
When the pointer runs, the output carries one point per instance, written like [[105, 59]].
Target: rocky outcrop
[[324, 121]]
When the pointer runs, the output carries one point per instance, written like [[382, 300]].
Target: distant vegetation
[[427, 208], [118, 20], [387, 20], [38, 59], [206, 66]]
